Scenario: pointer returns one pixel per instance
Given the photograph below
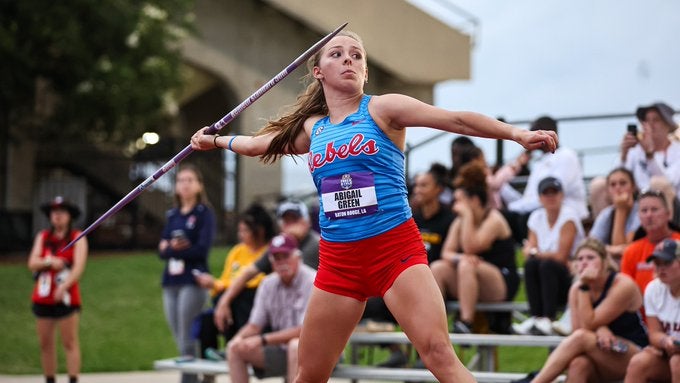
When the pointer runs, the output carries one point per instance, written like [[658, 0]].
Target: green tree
[[87, 71], [95, 69]]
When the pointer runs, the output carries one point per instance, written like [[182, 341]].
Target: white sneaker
[[525, 327], [563, 326], [543, 326]]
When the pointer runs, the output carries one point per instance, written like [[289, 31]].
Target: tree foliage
[[99, 70]]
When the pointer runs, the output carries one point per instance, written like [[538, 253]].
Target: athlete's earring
[[366, 80]]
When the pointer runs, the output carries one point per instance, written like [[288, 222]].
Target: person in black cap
[[554, 231], [56, 294], [652, 153], [659, 362]]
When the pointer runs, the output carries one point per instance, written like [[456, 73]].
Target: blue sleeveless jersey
[[359, 174]]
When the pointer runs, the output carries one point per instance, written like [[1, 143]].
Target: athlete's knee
[[437, 351]]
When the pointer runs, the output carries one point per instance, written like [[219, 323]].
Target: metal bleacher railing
[[613, 122]]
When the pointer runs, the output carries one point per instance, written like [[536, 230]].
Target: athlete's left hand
[[544, 140]]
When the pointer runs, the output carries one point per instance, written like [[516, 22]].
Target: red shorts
[[367, 268]]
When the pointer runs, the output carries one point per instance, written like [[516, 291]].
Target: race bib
[[175, 266], [350, 195], [44, 284]]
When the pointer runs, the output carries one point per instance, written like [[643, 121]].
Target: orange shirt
[[634, 261]]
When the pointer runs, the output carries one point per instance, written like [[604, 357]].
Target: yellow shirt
[[239, 257]]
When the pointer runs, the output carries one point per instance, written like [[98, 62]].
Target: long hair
[[311, 102], [628, 174], [259, 222], [472, 180], [202, 197]]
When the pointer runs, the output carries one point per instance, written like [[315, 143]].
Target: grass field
[[122, 324]]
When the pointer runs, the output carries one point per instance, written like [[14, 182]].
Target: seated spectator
[[654, 216], [293, 219], [663, 185], [479, 250], [652, 152], [458, 146], [280, 304], [608, 329], [432, 217], [564, 165], [460, 155], [554, 232], [660, 362], [255, 230], [616, 224]]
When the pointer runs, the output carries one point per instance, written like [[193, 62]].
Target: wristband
[[264, 340], [230, 142], [215, 140]]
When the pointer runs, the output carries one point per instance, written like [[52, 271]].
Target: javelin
[[214, 128]]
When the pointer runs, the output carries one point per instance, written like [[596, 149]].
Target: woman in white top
[[554, 231]]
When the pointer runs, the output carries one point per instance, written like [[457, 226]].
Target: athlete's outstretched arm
[[399, 111], [251, 146]]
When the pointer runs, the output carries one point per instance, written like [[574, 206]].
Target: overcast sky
[[574, 58]]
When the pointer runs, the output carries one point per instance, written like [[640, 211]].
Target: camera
[[632, 129]]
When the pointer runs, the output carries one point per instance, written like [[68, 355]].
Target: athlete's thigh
[[329, 321], [416, 303]]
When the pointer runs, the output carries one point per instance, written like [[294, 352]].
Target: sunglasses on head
[[653, 193]]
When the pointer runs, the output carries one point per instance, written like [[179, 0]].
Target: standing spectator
[[661, 361], [616, 224], [255, 230], [293, 219], [433, 218], [554, 232], [478, 259], [280, 304], [184, 246], [563, 164], [653, 153], [56, 295], [608, 329], [370, 244], [654, 217]]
